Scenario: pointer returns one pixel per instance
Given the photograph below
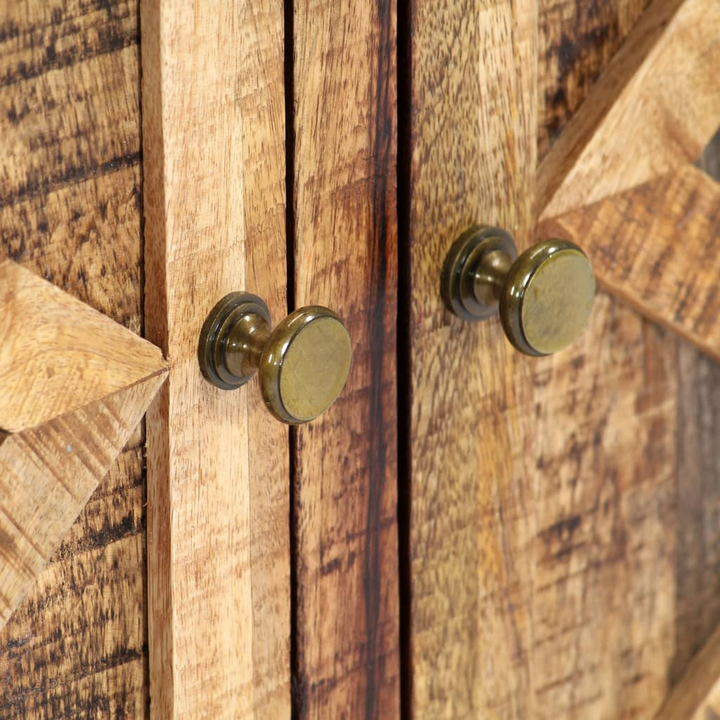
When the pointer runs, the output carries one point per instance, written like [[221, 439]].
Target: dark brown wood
[[70, 209], [346, 621], [577, 39]]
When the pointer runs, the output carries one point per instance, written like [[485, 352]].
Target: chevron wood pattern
[[653, 110], [75, 385]]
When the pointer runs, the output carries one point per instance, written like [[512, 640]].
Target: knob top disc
[[306, 364], [548, 297]]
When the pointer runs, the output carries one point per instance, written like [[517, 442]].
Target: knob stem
[[490, 275], [245, 343]]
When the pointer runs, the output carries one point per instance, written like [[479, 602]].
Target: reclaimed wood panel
[[346, 660], [578, 40], [218, 488], [697, 601], [543, 491], [56, 447], [472, 159], [653, 110], [655, 248], [69, 191]]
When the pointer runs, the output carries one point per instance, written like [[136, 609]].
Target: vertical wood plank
[[218, 512], [70, 197], [473, 159], [346, 578]]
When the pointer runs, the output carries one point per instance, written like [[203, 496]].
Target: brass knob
[[544, 296], [302, 363]]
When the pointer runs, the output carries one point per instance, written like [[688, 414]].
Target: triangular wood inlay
[[75, 385], [653, 110]]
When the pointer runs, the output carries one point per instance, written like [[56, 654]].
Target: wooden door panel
[[346, 616], [218, 489], [472, 159], [544, 493], [70, 196]]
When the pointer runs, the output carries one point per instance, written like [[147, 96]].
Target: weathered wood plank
[[218, 491], [542, 490], [347, 660], [654, 247], [603, 456], [470, 563], [652, 111], [70, 190]]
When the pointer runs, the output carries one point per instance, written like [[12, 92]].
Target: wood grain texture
[[469, 561], [697, 695], [218, 490], [654, 247], [543, 495], [70, 210], [345, 487], [577, 40], [59, 358], [48, 475], [652, 111], [59, 354]]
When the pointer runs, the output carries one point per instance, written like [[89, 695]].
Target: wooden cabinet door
[[554, 558], [468, 532]]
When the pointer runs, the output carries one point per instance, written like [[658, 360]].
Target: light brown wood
[[543, 489], [345, 485], [470, 564], [70, 191], [58, 354], [655, 247], [218, 507], [652, 111], [57, 351], [48, 474], [697, 695]]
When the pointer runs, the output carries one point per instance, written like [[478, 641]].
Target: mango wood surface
[[75, 385], [546, 499], [70, 211], [469, 561], [347, 661], [653, 110], [218, 477], [656, 247], [59, 354], [697, 695]]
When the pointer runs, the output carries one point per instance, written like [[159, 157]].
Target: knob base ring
[[215, 333], [457, 281]]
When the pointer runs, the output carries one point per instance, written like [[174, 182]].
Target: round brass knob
[[544, 296], [302, 363]]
